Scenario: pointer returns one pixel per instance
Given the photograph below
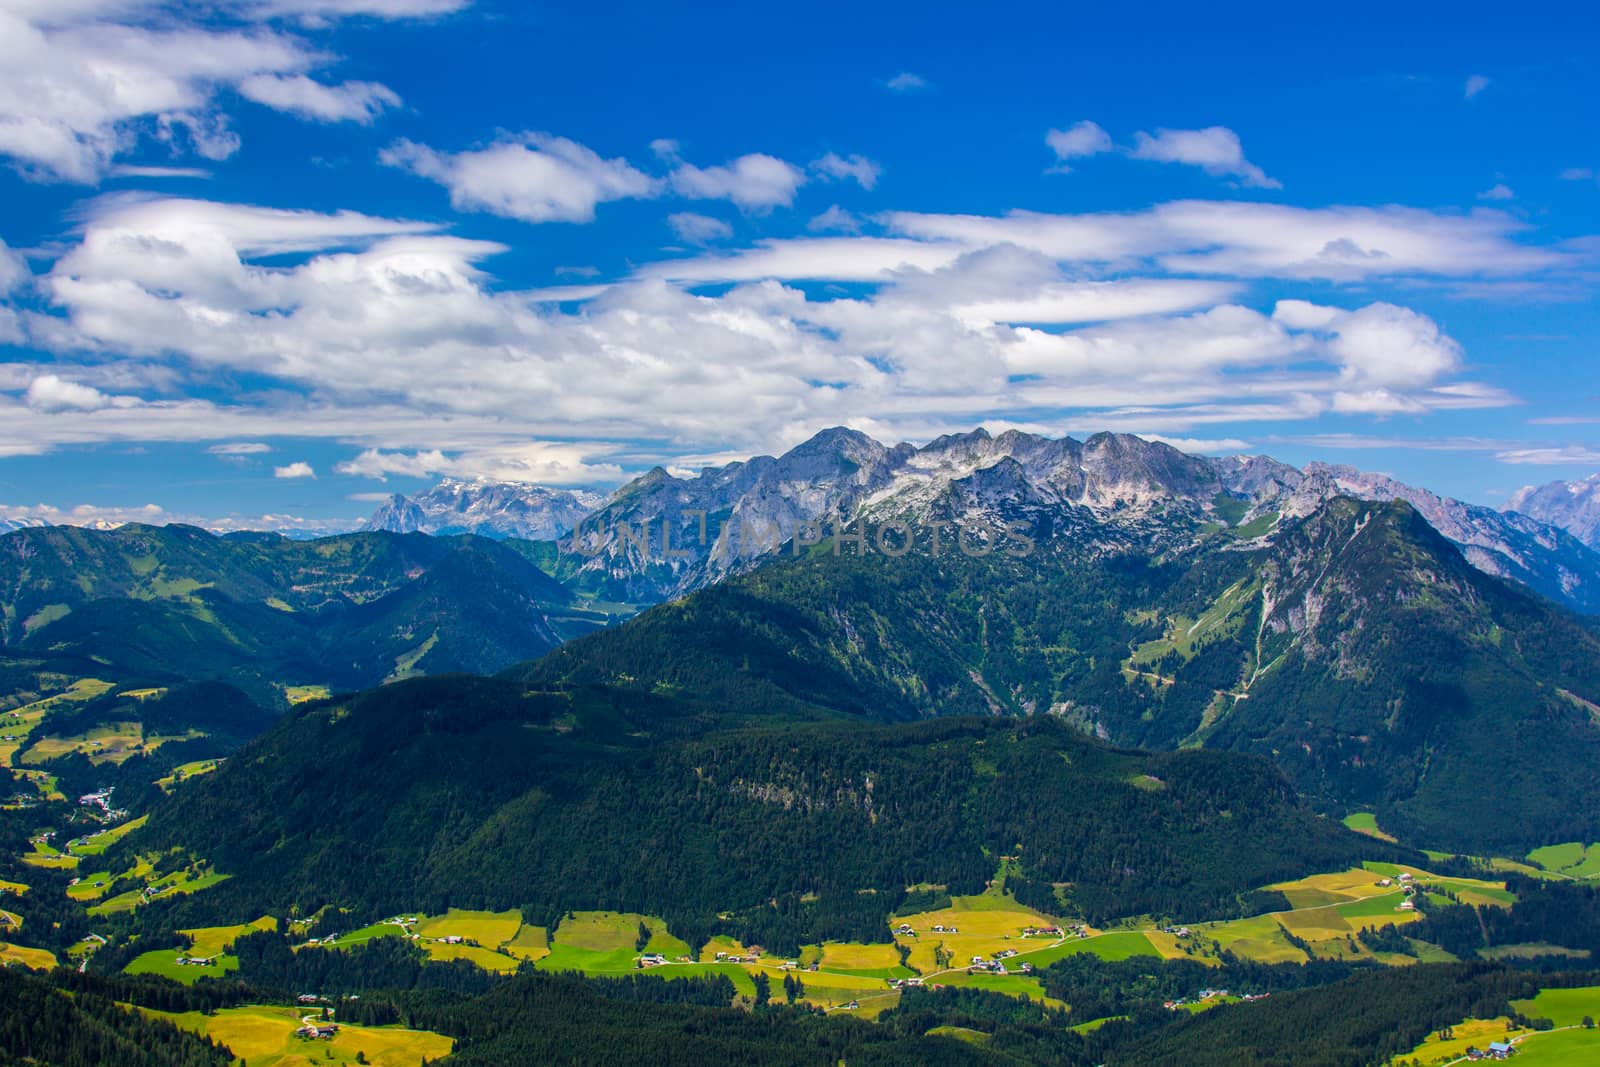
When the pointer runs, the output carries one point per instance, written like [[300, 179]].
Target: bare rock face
[[1573, 506], [491, 509]]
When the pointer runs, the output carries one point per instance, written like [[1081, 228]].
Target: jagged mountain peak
[[494, 509], [1572, 505]]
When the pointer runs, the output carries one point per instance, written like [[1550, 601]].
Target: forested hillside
[[1356, 646], [473, 793], [258, 610]]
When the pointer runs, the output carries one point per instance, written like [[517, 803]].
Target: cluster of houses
[[313, 1031], [1178, 931], [650, 959], [196, 961], [752, 955], [100, 800], [1497, 1050], [1409, 885], [997, 964], [1210, 994]]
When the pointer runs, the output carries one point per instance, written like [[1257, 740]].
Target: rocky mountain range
[[661, 536], [1574, 506], [489, 509]]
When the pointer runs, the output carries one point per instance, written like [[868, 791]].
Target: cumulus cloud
[[907, 82], [80, 84], [299, 95], [1475, 84], [1576, 174], [398, 339], [863, 171], [754, 182], [1380, 344], [1077, 141], [239, 448], [535, 177], [698, 229], [1498, 191], [1215, 150], [297, 469], [51, 393]]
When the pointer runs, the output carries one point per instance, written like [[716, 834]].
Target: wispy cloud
[[1215, 150], [907, 82]]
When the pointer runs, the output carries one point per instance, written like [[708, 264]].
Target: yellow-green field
[[37, 958], [98, 842], [1573, 859], [1471, 1033], [265, 1037], [213, 940], [187, 771], [1564, 1007], [110, 743], [1365, 822], [165, 962], [177, 883], [300, 694]]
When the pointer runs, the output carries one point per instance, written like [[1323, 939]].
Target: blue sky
[[275, 257]]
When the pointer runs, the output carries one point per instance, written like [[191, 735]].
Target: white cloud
[[863, 171], [1576, 174], [14, 272], [128, 170], [907, 82], [387, 9], [755, 182], [1255, 240], [1380, 344], [51, 393], [698, 229], [239, 448], [398, 341], [534, 462], [535, 177], [1215, 149], [81, 83], [834, 220], [1077, 141], [1498, 191], [297, 469], [1555, 455], [1475, 84], [299, 95], [102, 517]]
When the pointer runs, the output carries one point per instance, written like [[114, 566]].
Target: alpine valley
[[997, 750]]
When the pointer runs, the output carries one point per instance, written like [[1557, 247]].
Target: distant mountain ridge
[[1574, 506], [488, 509], [259, 610], [661, 536]]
